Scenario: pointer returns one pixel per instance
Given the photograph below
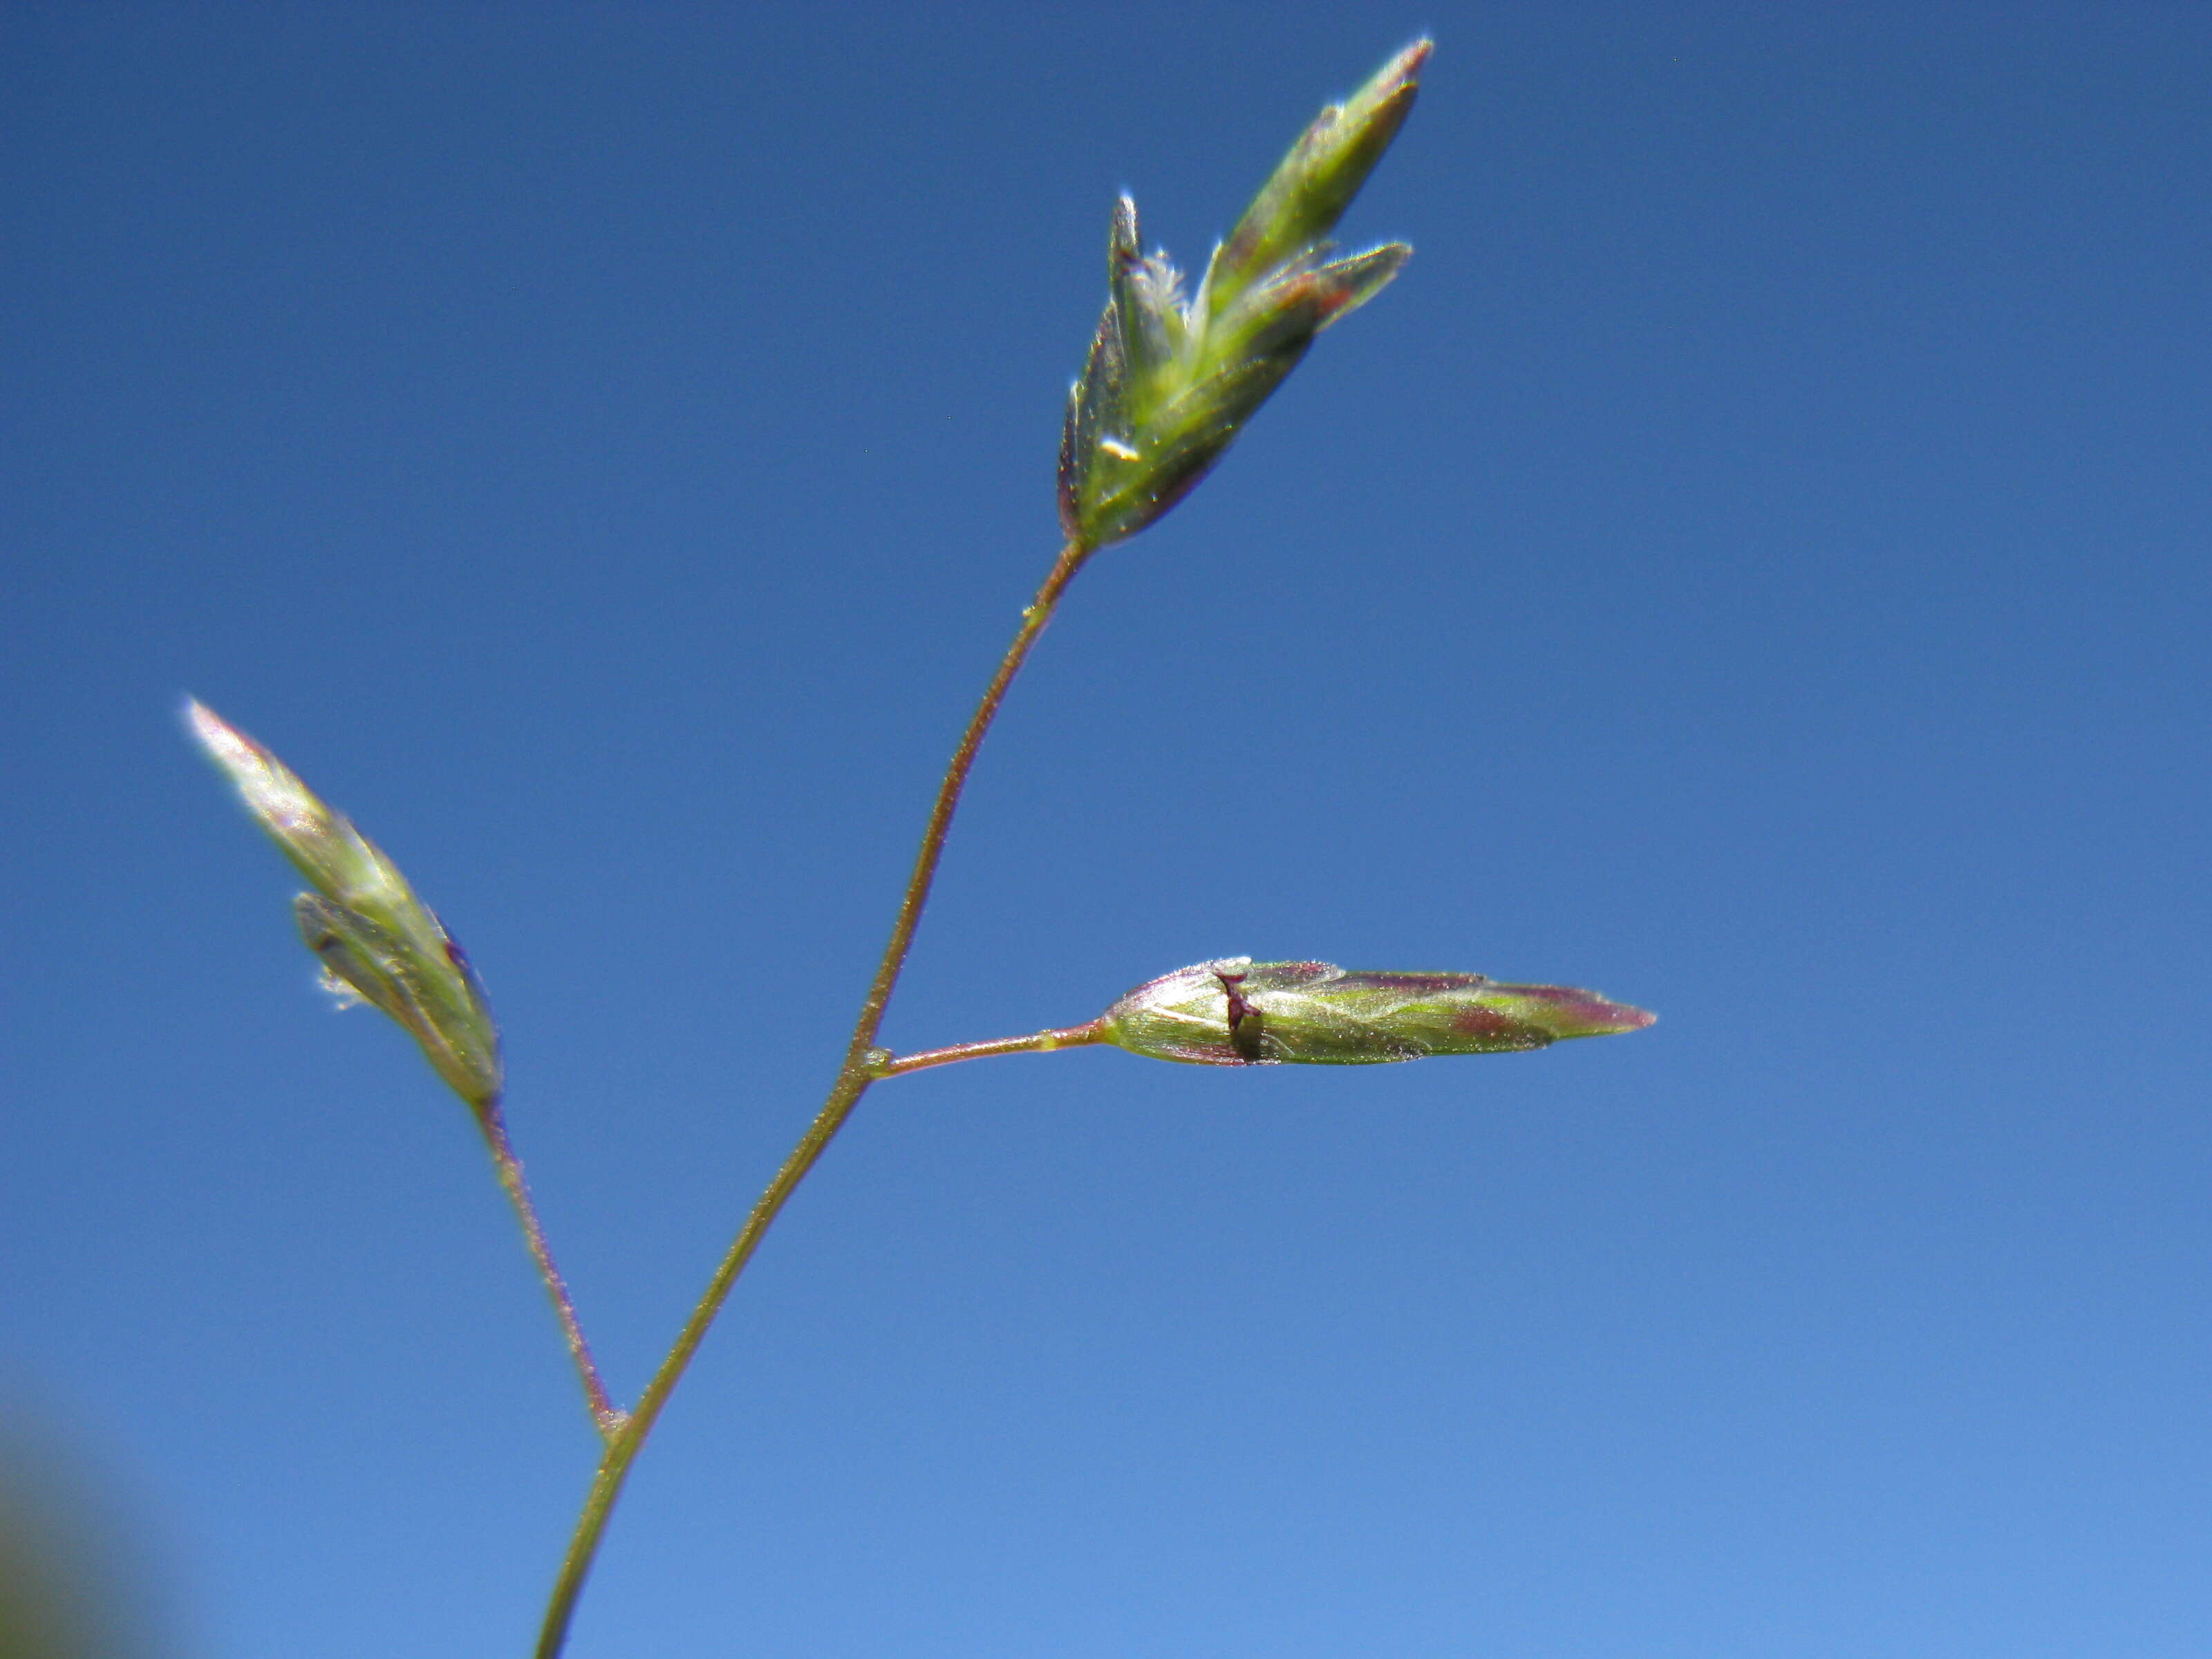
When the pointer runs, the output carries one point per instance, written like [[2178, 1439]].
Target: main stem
[[853, 1078]]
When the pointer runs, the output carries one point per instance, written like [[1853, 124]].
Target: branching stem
[[1041, 1042], [860, 1068], [607, 1416]]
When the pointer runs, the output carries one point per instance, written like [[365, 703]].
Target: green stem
[[1043, 1043], [853, 1077], [607, 1416]]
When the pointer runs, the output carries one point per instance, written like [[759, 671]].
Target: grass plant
[[1170, 380]]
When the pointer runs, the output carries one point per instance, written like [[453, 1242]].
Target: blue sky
[[1753, 563]]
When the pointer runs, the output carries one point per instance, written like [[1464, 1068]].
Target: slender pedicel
[[1039, 1042]]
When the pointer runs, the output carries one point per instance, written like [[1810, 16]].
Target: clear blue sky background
[[1753, 563]]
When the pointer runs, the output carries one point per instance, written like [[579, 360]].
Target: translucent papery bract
[[438, 1001], [371, 932], [1311, 187], [1169, 383], [1235, 1011], [1300, 300]]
